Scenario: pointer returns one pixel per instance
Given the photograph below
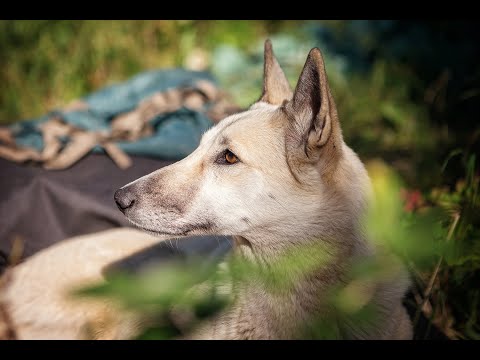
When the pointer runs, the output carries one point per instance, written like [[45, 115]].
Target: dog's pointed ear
[[313, 107], [276, 88]]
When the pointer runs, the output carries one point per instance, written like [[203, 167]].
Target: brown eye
[[230, 157], [227, 157]]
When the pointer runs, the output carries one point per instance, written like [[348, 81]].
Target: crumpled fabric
[[160, 113]]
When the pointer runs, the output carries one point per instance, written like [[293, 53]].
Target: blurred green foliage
[[195, 287], [407, 92], [47, 63]]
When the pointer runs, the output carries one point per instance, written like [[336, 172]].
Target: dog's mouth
[[201, 228], [160, 233]]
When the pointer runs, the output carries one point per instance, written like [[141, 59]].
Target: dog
[[275, 177]]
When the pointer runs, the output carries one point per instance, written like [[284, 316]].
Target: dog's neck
[[248, 248], [305, 295]]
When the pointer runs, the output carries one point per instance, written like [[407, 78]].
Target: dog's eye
[[227, 158], [230, 157]]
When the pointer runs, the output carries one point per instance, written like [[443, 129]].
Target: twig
[[416, 275], [428, 290]]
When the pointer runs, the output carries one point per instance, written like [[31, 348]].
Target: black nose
[[124, 199]]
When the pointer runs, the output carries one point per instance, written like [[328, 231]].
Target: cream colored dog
[[277, 176]]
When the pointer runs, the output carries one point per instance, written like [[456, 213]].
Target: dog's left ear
[[313, 109], [276, 88]]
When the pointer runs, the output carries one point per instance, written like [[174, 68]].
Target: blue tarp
[[175, 135]]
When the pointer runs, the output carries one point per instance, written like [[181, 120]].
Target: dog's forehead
[[253, 120]]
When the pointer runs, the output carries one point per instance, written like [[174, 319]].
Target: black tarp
[[42, 207]]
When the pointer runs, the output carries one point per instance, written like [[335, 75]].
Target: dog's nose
[[124, 199]]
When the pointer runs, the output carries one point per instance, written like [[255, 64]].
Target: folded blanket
[[160, 113]]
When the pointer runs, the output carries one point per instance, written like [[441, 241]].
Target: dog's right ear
[[276, 88]]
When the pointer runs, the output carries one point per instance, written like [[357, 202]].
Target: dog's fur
[[295, 183], [38, 295]]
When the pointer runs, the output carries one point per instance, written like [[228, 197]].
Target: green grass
[[45, 64]]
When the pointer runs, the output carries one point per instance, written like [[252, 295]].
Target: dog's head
[[279, 168]]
